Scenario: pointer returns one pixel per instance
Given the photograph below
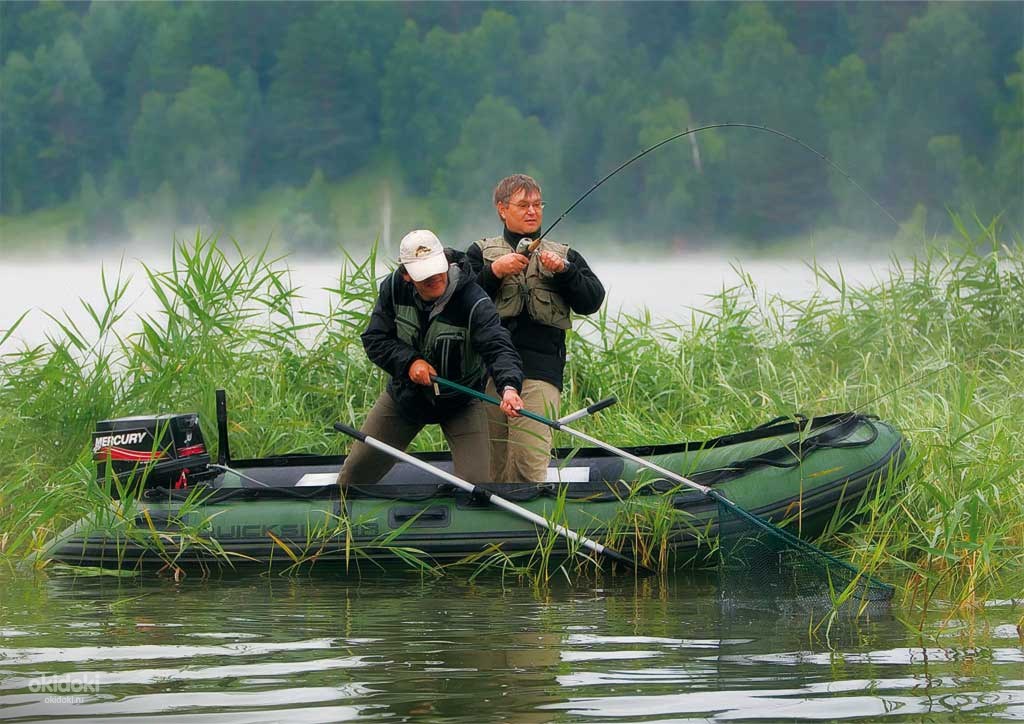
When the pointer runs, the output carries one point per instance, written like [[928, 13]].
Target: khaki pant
[[521, 448], [465, 431]]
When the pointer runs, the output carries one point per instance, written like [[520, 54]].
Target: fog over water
[[669, 289]]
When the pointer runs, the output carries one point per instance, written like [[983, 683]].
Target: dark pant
[[465, 431]]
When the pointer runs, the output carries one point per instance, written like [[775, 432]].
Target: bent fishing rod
[[536, 242]]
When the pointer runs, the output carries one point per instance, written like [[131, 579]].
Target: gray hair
[[511, 185]]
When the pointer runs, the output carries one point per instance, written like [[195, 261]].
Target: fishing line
[[925, 375], [819, 154], [687, 132], [914, 380]]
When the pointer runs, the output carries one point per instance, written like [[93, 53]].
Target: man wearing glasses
[[535, 290]]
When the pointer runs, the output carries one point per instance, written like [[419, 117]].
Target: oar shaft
[[636, 459], [491, 497], [558, 425]]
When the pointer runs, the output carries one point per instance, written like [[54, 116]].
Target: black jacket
[[543, 347], [489, 339]]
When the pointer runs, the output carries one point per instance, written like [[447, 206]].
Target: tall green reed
[[933, 347]]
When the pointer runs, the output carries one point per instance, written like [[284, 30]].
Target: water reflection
[[398, 648]]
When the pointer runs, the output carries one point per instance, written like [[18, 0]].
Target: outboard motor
[[150, 451]]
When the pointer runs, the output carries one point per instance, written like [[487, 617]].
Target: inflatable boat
[[172, 504]]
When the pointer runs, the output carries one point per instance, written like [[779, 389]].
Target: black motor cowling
[[150, 451]]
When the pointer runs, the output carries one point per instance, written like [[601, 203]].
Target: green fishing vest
[[444, 345], [531, 287]]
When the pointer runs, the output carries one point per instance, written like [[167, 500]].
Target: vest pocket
[[547, 308], [448, 355], [509, 300]]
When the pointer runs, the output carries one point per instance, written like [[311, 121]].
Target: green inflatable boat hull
[[806, 474]]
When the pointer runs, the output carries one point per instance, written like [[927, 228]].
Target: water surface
[[669, 289], [396, 648]]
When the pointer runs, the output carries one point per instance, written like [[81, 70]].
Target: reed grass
[[936, 348]]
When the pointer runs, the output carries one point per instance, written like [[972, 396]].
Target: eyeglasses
[[524, 205]]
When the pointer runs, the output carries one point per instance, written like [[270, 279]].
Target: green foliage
[[20, 147], [935, 348], [763, 76], [919, 103], [583, 71], [324, 100], [1009, 165], [933, 71], [163, 63], [111, 32], [51, 121], [466, 180], [673, 193], [431, 85], [28, 26], [102, 217], [310, 222], [958, 175], [195, 140], [848, 106]]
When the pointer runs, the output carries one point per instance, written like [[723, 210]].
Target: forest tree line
[[196, 107]]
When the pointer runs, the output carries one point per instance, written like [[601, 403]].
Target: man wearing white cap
[[432, 318]]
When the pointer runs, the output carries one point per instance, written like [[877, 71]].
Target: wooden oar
[[489, 496]]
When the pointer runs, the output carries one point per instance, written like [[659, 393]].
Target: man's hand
[[509, 264], [552, 262], [511, 402], [420, 372]]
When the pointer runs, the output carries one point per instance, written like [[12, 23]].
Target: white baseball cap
[[422, 254]]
